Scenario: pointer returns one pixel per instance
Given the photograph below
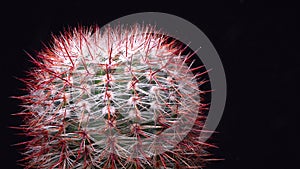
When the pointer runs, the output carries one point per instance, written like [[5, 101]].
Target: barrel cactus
[[122, 97]]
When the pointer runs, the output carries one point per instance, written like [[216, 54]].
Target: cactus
[[125, 97]]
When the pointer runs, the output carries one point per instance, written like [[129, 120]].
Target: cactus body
[[121, 98]]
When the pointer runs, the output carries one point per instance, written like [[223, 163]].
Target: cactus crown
[[124, 97]]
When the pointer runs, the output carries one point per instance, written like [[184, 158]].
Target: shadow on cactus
[[126, 97]]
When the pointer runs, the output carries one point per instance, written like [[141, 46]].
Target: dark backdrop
[[257, 44]]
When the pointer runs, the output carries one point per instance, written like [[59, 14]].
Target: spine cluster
[[124, 97]]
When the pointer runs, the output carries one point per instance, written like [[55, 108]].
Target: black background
[[257, 44]]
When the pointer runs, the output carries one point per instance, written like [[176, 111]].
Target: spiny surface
[[121, 98]]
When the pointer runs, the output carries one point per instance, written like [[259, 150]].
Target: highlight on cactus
[[123, 97]]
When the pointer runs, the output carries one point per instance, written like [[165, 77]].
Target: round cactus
[[125, 97]]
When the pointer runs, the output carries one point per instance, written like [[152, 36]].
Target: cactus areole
[[126, 97]]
